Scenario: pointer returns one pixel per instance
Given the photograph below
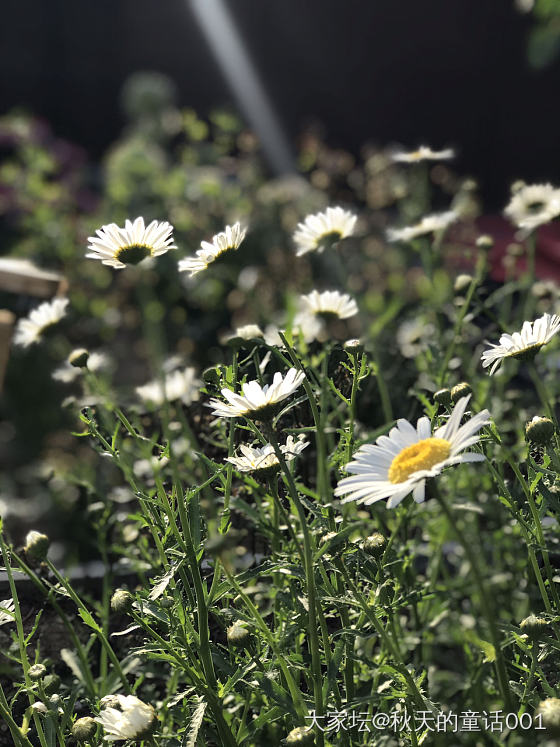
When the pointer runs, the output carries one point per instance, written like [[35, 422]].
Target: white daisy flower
[[532, 205], [245, 332], [257, 402], [263, 458], [119, 247], [429, 224], [329, 303], [272, 336], [400, 463], [414, 337], [309, 326], [96, 362], [133, 720], [6, 607], [323, 229], [177, 385], [222, 242], [525, 344], [30, 329], [424, 153]]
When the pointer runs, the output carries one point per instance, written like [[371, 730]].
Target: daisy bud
[[84, 729], [460, 390], [374, 545], [79, 358], [462, 282], [353, 346], [212, 375], [534, 626], [238, 636], [515, 250], [443, 397], [549, 710], [51, 683], [39, 707], [36, 546], [301, 735], [36, 672], [540, 430], [485, 242], [54, 701], [121, 601]]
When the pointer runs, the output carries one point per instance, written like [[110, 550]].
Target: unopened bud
[[540, 430], [301, 735], [353, 346], [121, 601], [462, 282], [238, 636], [79, 358], [460, 390], [212, 375], [374, 545], [485, 242], [534, 626], [36, 546], [84, 729], [549, 711], [39, 707], [443, 397], [36, 672]]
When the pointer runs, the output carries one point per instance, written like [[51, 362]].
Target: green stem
[[546, 400], [486, 605], [97, 630], [352, 407], [49, 594], [323, 483], [309, 578], [231, 448], [21, 637], [294, 692], [20, 740], [525, 532], [531, 677], [382, 386], [538, 531], [389, 644], [457, 328]]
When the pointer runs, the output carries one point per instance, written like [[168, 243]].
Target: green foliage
[[428, 620]]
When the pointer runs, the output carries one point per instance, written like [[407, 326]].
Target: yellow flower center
[[528, 353], [133, 254], [330, 238], [421, 455]]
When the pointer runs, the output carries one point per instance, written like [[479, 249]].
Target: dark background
[[444, 72]]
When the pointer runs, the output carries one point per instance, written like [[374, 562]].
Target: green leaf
[[88, 619], [487, 648], [194, 727]]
